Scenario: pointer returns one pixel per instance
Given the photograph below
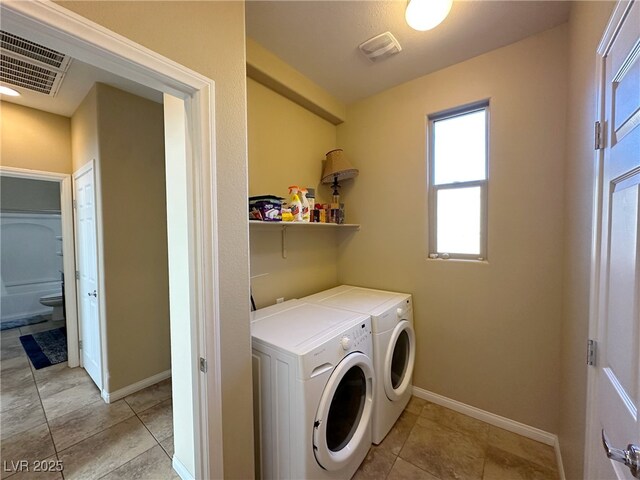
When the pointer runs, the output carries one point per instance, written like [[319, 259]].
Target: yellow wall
[[586, 26], [34, 139], [287, 145], [134, 225], [487, 333], [209, 38]]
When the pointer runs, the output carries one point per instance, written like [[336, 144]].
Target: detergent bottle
[[294, 203], [306, 210]]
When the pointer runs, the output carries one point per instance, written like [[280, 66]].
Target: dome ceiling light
[[424, 15]]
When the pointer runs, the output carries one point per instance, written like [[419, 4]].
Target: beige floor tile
[[399, 433], [34, 444], [150, 465], [11, 333], [403, 470], [21, 419], [445, 453], [22, 395], [46, 470], [150, 396], [454, 420], [14, 364], [106, 451], [501, 465], [18, 376], [167, 445], [536, 452], [376, 465], [415, 405], [159, 420], [69, 429], [55, 379], [41, 327], [66, 401]]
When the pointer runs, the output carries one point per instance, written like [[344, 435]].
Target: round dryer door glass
[[346, 409], [400, 359]]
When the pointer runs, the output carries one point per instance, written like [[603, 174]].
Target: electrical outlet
[[280, 300]]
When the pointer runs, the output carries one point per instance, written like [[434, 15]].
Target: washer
[[393, 346], [313, 390]]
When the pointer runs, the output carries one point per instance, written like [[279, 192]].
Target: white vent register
[[380, 47], [31, 66]]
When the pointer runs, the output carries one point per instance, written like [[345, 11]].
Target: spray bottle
[[294, 203], [306, 210]]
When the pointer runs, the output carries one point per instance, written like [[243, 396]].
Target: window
[[458, 173]]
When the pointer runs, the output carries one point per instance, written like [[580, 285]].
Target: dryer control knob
[[400, 312], [345, 342]]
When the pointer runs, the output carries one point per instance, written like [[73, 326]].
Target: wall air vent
[[380, 47], [27, 65]]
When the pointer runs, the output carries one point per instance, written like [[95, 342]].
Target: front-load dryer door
[[399, 361], [344, 412]]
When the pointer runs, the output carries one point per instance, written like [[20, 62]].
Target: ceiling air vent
[[27, 65], [380, 47]]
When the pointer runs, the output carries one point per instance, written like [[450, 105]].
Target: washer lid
[[298, 327], [358, 299]]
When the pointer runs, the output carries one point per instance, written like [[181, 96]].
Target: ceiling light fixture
[[424, 15], [8, 91]]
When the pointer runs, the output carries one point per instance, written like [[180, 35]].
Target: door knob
[[630, 457], [94, 294]]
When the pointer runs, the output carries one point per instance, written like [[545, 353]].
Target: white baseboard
[[111, 397], [181, 470], [495, 420]]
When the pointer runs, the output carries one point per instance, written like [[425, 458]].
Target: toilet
[[55, 301]]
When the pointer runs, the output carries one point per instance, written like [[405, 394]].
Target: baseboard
[[488, 417], [559, 459], [111, 397], [181, 470]]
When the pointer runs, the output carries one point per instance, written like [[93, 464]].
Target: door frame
[[592, 434], [91, 165], [49, 23], [68, 249]]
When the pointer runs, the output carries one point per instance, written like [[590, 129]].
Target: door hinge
[[77, 275], [597, 133], [203, 365], [75, 204], [591, 352], [80, 344]]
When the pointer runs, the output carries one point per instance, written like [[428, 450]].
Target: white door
[[616, 387], [87, 265]]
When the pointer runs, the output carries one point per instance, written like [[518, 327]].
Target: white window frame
[[433, 189]]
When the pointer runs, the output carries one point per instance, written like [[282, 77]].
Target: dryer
[[313, 390], [393, 346]]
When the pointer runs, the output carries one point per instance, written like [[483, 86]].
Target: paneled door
[[87, 278], [614, 428]]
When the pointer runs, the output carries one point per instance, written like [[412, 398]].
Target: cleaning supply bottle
[[306, 211], [294, 203]]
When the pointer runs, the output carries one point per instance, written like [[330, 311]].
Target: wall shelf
[[284, 226]]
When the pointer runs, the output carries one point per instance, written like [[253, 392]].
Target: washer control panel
[[357, 336]]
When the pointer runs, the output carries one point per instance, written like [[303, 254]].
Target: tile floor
[[57, 414], [430, 442]]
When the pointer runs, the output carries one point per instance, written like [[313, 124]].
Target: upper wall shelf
[[284, 226], [259, 223]]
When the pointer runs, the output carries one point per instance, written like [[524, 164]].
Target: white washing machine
[[393, 346], [313, 390]]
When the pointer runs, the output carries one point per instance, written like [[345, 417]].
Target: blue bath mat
[[46, 348], [23, 322]]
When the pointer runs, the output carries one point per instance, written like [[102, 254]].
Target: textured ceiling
[[321, 38]]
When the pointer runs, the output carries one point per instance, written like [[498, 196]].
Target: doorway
[[196, 304]]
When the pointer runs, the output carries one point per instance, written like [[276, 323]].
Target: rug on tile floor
[[46, 348], [23, 322]]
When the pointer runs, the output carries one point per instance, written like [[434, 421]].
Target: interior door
[[87, 264], [616, 391]]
